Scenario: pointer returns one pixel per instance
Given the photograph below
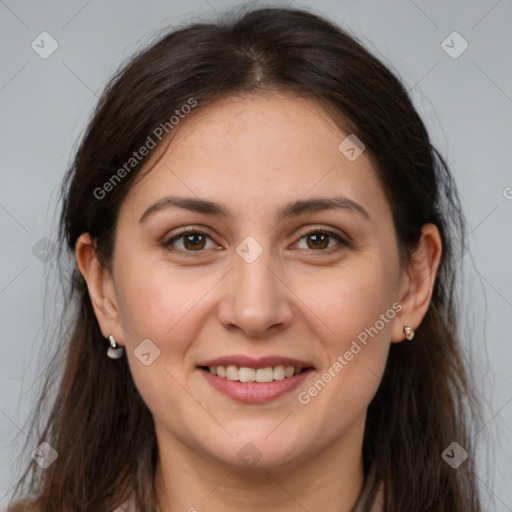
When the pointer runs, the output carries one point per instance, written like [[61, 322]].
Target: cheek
[[156, 301], [162, 306], [167, 307], [359, 308], [351, 300]]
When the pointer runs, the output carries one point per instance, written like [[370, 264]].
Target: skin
[[255, 154]]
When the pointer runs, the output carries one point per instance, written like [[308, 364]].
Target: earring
[[114, 351], [409, 332]]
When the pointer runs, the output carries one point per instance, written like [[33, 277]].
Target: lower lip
[[255, 391]]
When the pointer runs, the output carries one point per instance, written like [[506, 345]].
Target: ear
[[418, 281], [101, 288]]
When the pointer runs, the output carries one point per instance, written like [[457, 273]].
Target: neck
[[189, 480]]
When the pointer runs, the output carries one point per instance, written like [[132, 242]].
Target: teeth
[[245, 374], [232, 373], [264, 375], [279, 372]]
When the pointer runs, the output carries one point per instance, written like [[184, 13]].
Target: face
[[265, 278]]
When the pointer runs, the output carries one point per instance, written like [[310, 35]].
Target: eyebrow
[[292, 209]]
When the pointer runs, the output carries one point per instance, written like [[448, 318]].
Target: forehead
[[271, 149], [277, 129]]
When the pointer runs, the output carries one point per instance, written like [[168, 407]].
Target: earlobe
[[418, 283], [100, 286]]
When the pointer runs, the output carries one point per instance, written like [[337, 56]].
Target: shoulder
[[29, 506], [127, 506], [23, 505], [371, 497]]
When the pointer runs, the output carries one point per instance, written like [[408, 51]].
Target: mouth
[[247, 374], [255, 380]]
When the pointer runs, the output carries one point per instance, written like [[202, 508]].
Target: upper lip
[[261, 362]]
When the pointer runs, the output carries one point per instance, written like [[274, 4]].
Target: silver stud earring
[[409, 332], [114, 351]]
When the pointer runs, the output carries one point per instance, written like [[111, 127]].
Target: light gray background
[[45, 103]]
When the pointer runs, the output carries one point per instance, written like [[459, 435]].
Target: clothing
[[128, 506], [370, 499]]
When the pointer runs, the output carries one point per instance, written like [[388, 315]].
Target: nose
[[255, 297]]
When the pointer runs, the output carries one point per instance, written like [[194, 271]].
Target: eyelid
[[343, 240], [180, 234], [328, 230]]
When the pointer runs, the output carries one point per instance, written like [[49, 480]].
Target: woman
[[265, 242]]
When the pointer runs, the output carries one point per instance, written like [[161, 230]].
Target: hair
[[98, 423]]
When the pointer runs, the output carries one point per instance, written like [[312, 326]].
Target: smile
[[247, 379], [245, 374]]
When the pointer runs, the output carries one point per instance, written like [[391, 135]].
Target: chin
[[259, 453]]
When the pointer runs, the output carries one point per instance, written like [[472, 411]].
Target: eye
[[191, 240], [319, 240], [194, 241]]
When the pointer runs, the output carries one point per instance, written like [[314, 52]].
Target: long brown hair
[[97, 422]]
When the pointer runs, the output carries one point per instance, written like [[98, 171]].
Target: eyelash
[[190, 231]]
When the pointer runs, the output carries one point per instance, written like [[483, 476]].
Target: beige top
[[370, 499]]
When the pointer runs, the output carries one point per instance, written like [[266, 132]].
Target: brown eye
[[191, 241], [321, 240], [318, 240], [194, 241]]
